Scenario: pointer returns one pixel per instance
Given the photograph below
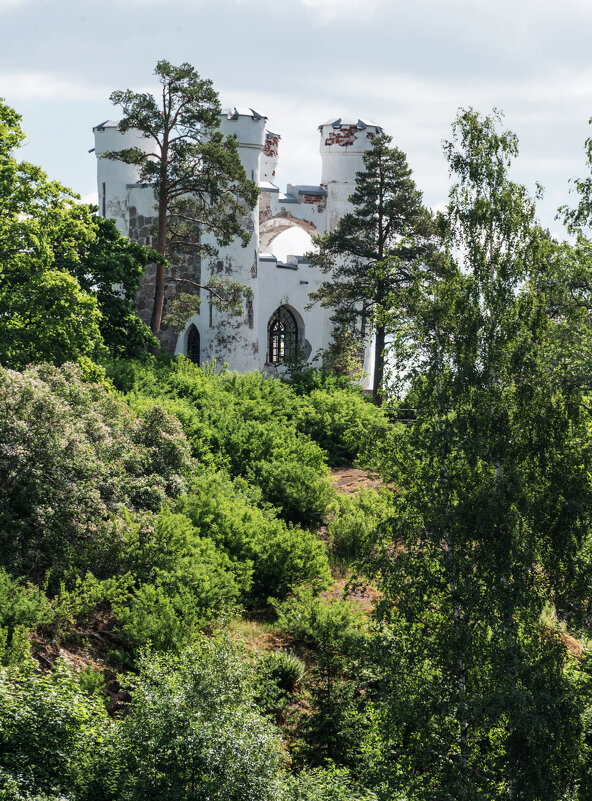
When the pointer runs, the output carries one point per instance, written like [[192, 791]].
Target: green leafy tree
[[45, 315], [193, 730], [478, 699], [50, 731], [107, 267], [199, 183], [68, 279], [374, 250], [71, 456]]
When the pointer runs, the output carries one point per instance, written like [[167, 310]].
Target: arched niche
[[193, 345]]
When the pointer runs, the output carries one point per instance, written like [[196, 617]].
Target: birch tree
[[492, 477]]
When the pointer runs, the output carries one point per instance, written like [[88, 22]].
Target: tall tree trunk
[[378, 363], [161, 247]]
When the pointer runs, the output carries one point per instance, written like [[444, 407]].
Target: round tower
[[343, 143], [114, 178], [248, 127], [224, 337]]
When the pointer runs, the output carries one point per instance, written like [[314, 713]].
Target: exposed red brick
[[270, 148], [320, 201], [342, 136]]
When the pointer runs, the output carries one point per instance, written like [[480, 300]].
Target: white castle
[[277, 316]]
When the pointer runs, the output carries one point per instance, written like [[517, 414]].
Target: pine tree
[[200, 185], [376, 249]]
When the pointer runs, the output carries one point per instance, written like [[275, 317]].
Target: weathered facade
[[277, 310]]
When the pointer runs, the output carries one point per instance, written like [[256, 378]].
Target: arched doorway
[[282, 336], [193, 345]]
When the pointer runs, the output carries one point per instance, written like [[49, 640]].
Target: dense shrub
[[328, 784], [286, 558], [342, 421], [182, 582], [23, 607], [50, 731], [71, 456], [193, 730], [281, 556], [352, 528], [275, 434], [336, 686], [245, 424]]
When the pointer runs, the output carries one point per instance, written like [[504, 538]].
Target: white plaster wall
[[116, 176], [281, 286]]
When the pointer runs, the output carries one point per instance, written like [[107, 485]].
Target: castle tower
[[227, 338], [115, 178], [343, 143]]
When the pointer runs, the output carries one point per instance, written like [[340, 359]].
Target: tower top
[[233, 113], [359, 125]]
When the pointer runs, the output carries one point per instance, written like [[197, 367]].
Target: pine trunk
[[378, 364], [161, 247]]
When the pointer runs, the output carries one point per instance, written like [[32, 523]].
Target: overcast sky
[[406, 65]]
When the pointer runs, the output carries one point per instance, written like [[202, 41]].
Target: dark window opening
[[193, 345], [282, 334]]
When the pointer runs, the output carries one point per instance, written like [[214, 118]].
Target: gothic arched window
[[282, 335], [193, 345]]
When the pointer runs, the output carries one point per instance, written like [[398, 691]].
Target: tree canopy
[[67, 278]]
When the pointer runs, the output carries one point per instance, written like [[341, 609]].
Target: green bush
[[50, 730], [281, 667], [193, 730], [23, 607], [281, 556], [354, 521], [318, 623], [286, 558], [71, 457], [245, 424], [328, 784], [342, 421], [182, 582]]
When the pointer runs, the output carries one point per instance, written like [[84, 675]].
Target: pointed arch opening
[[282, 336], [193, 349]]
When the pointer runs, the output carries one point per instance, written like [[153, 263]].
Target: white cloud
[[46, 86], [329, 10], [5, 5]]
